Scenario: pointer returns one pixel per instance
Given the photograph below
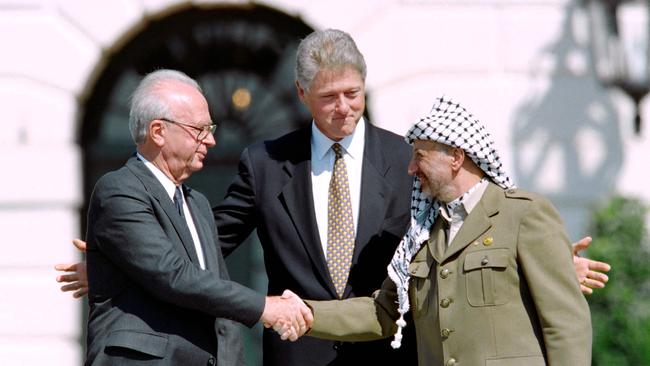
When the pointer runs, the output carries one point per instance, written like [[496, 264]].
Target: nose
[[210, 141], [413, 167], [342, 106]]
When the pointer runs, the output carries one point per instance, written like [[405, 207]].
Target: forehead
[[333, 79], [426, 145]]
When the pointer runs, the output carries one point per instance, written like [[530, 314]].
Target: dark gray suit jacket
[[150, 302], [273, 194]]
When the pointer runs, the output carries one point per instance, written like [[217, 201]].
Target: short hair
[[147, 104], [330, 48]]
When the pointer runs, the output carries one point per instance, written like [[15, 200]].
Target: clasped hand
[[288, 315]]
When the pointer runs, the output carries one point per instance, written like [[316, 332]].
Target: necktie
[[340, 225], [178, 200]]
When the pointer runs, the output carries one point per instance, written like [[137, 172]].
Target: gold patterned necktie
[[340, 225]]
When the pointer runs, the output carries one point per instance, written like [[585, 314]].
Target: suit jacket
[[150, 302], [273, 194], [504, 292]]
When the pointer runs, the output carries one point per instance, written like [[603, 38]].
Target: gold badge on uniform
[[488, 241]]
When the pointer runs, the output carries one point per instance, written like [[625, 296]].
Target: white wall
[[522, 67]]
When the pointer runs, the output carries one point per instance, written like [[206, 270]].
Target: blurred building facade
[[523, 67]]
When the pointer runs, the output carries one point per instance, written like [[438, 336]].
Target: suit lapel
[[157, 191], [298, 200], [374, 189], [204, 232], [477, 222]]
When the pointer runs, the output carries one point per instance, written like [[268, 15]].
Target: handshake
[[288, 315]]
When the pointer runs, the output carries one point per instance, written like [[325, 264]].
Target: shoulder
[[392, 145], [281, 148], [531, 200], [122, 178], [387, 137]]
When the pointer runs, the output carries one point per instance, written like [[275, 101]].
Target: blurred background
[[559, 83]]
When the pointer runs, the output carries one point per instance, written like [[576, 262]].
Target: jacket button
[[450, 362], [444, 273], [337, 346], [484, 261], [445, 302], [211, 361], [446, 332]]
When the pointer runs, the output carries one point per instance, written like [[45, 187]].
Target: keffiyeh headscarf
[[450, 124]]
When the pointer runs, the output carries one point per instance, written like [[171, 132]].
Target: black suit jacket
[[273, 194], [150, 302]]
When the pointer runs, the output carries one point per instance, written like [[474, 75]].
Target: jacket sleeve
[[544, 252], [125, 227], [356, 319], [235, 216]]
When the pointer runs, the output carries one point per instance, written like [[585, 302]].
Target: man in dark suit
[[159, 290], [282, 191]]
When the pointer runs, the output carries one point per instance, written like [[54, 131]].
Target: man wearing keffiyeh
[[485, 268]]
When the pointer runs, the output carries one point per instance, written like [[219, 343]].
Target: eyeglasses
[[204, 131]]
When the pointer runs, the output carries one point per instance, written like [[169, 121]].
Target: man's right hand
[[77, 279], [288, 315]]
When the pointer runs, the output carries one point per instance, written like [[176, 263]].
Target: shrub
[[621, 311]]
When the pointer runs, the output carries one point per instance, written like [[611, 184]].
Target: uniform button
[[211, 361], [445, 332], [450, 362], [445, 302], [444, 273], [336, 346], [484, 261]]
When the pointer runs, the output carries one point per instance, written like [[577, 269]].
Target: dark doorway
[[244, 59]]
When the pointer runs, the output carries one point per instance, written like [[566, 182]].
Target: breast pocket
[[420, 287], [485, 276]]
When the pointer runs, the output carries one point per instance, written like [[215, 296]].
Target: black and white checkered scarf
[[450, 124]]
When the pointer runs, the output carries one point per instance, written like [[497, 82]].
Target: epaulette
[[515, 193]]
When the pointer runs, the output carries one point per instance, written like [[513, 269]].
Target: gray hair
[[147, 104], [330, 48]]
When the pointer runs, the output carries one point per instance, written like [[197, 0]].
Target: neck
[[465, 179], [155, 157]]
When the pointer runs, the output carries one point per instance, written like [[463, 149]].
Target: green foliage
[[621, 311]]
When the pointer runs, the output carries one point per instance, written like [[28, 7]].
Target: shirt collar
[[352, 144], [167, 183], [467, 201]]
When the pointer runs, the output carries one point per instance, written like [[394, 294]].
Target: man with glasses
[[159, 291]]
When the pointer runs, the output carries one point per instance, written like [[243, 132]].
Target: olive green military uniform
[[503, 293]]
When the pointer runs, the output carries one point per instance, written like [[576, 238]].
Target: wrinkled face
[[182, 152], [336, 100], [431, 163]]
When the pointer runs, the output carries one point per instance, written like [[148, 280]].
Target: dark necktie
[[178, 200], [340, 225]]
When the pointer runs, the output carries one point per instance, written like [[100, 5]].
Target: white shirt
[[322, 163], [170, 188]]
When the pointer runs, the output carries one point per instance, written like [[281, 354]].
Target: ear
[[457, 158], [157, 131], [301, 91]]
